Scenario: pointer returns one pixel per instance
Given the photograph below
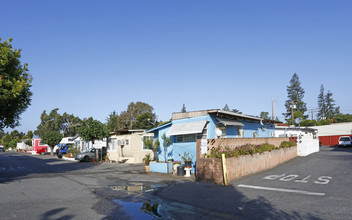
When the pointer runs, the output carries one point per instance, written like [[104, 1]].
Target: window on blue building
[[185, 138]]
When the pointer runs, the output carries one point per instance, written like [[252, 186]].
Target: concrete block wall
[[210, 169], [236, 142]]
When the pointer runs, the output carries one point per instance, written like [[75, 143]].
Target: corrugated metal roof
[[334, 129], [229, 122], [195, 127]]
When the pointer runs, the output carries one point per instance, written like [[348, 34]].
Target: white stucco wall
[[307, 141]]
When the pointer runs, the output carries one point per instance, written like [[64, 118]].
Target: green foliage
[[52, 138], [113, 122], [186, 157], [247, 149], [295, 94], [66, 123], [15, 83], [144, 121], [28, 142], [134, 117], [321, 103], [331, 109], [183, 108], [73, 150], [92, 130], [285, 144], [146, 159], [11, 140], [264, 115], [342, 118], [30, 135], [166, 143]]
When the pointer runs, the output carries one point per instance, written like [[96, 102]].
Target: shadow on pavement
[[51, 214], [17, 165]]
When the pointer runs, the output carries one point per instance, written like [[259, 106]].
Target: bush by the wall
[[247, 149]]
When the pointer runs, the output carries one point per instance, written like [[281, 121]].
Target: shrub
[[247, 149]]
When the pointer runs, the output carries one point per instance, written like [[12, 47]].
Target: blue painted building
[[185, 128]]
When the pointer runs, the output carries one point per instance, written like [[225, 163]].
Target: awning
[[195, 127], [229, 122]]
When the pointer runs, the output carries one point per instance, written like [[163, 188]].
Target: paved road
[[40, 187], [313, 187]]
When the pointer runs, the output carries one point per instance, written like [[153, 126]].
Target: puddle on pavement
[[135, 188], [139, 210]]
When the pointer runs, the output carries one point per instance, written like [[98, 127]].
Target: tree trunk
[[52, 151]]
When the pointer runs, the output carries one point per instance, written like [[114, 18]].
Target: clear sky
[[89, 58]]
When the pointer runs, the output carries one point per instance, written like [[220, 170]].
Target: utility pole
[[272, 109], [293, 106]]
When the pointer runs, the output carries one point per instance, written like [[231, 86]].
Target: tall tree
[[226, 108], [15, 83], [66, 124], [113, 122], [70, 124], [295, 95], [321, 104], [331, 109], [128, 117], [183, 108], [264, 115], [52, 138], [49, 122], [145, 120], [92, 130]]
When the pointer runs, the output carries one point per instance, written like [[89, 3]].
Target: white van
[[345, 141]]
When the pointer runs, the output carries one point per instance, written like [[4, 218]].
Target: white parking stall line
[[282, 190]]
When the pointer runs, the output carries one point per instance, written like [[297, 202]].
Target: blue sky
[[89, 58]]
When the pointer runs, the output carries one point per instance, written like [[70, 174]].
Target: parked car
[[41, 150], [2, 149], [86, 156], [62, 150], [345, 141]]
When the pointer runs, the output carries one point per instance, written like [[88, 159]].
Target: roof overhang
[[195, 127], [229, 122]]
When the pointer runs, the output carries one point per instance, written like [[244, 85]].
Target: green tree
[[166, 143], [236, 111], [52, 138], [226, 108], [15, 83], [342, 118], [92, 130], [331, 109], [49, 122], [152, 145], [128, 117], [30, 134], [66, 124], [183, 108], [113, 122], [70, 124], [321, 104], [5, 140], [264, 115], [144, 121], [295, 95]]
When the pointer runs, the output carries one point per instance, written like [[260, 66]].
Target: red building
[[330, 134]]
